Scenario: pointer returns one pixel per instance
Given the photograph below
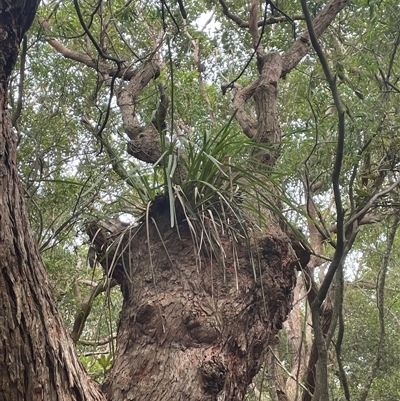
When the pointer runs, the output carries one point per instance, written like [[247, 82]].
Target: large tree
[[208, 268]]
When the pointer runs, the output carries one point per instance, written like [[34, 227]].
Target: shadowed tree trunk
[[37, 357]]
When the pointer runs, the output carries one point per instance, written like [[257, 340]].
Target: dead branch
[[85, 307], [101, 341]]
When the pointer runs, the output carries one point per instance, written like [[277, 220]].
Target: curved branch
[[303, 44], [248, 123], [126, 72], [127, 97], [321, 389]]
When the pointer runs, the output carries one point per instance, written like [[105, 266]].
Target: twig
[[269, 21], [288, 373]]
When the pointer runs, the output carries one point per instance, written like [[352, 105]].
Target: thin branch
[[260, 54], [296, 331], [126, 72], [17, 112], [366, 219], [101, 341], [361, 213], [85, 307], [245, 24], [393, 55], [321, 389], [397, 90], [339, 154], [338, 349], [356, 166], [91, 37], [199, 68], [287, 372], [99, 130]]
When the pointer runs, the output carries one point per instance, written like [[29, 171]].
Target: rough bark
[[37, 356], [191, 330]]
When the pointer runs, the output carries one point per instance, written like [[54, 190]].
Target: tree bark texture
[[37, 357], [191, 328]]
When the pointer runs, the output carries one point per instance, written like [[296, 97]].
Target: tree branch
[[248, 123], [17, 111], [361, 213], [101, 341], [303, 44], [245, 24], [85, 307], [325, 17], [126, 71]]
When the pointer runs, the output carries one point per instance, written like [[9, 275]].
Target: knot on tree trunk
[[213, 373], [146, 146]]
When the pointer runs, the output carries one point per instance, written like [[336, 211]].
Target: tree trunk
[[190, 328], [37, 356]]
